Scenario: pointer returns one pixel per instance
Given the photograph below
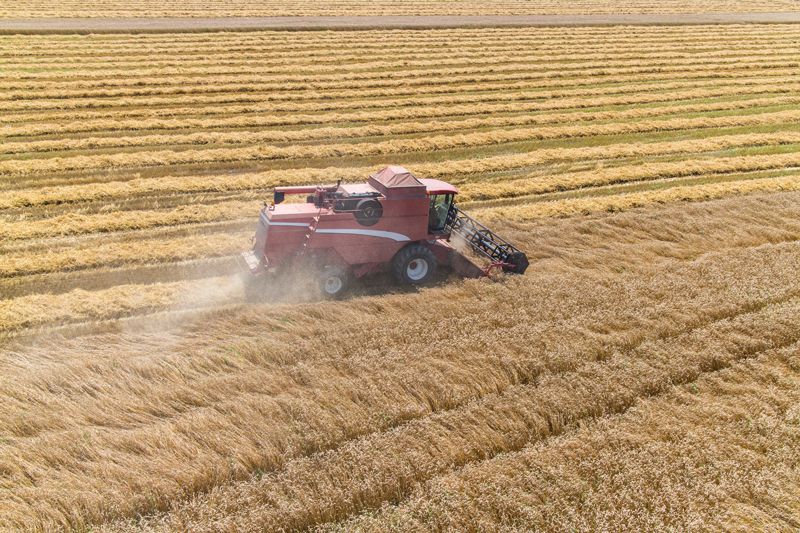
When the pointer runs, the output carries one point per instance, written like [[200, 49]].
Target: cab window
[[439, 207]]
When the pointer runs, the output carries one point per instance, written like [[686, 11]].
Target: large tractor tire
[[334, 282], [414, 265], [368, 212]]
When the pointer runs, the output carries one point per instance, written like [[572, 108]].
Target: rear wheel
[[414, 265], [334, 282]]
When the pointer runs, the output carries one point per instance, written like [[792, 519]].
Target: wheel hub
[[417, 269], [333, 284]]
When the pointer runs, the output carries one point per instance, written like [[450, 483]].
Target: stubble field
[[271, 8], [647, 361]]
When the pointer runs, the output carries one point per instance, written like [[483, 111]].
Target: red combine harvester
[[393, 222]]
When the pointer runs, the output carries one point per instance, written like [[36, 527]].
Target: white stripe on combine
[[269, 222], [368, 232]]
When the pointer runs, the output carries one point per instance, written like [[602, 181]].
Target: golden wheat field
[[266, 8], [643, 374]]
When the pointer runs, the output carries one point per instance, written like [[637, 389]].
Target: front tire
[[414, 265], [334, 282]]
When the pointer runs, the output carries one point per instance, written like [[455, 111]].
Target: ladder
[[312, 228], [485, 242]]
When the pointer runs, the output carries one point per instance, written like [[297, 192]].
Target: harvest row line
[[68, 41], [129, 273], [135, 252], [286, 114], [572, 36], [466, 92], [534, 100], [621, 202], [452, 170], [487, 63], [468, 75], [25, 167], [395, 127], [237, 63], [383, 55], [32, 311]]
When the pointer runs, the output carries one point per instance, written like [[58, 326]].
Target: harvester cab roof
[[393, 221]]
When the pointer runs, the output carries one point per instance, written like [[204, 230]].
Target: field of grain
[[267, 8], [647, 361]]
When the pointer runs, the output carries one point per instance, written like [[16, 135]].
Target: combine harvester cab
[[393, 222]]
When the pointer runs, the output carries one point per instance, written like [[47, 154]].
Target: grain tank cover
[[395, 180]]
